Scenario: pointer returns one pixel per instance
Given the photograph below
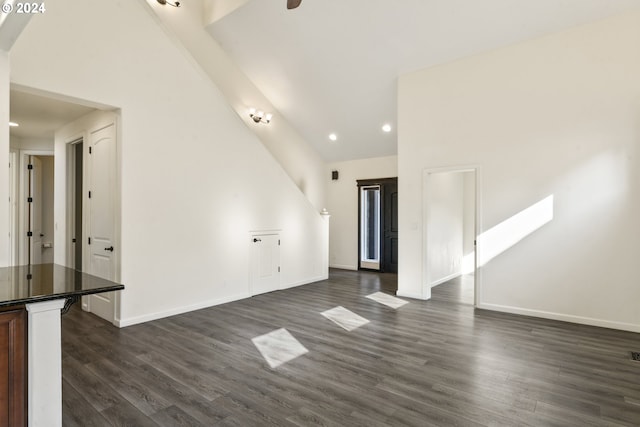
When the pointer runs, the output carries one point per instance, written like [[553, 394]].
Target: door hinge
[[278, 269], [89, 194], [474, 243], [73, 240], [29, 167], [29, 199], [29, 233], [89, 240], [89, 150], [278, 242]]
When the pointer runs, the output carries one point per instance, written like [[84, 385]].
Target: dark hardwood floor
[[429, 363]]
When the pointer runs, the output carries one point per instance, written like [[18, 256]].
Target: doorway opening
[[35, 208], [450, 218], [378, 225], [76, 180], [86, 221]]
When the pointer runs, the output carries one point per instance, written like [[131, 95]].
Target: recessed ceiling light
[[386, 127], [333, 136], [13, 124]]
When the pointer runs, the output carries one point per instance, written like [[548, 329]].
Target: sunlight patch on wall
[[503, 236]]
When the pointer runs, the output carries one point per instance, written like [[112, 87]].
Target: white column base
[[45, 363]]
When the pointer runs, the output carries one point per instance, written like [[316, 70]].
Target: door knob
[[110, 249], [256, 240]]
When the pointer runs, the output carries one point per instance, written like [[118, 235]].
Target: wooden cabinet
[[13, 367]]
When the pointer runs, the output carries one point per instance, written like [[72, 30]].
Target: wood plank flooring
[[429, 363]]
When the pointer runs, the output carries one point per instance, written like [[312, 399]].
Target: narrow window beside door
[[370, 227]]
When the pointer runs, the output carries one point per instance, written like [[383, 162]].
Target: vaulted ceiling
[[331, 66]]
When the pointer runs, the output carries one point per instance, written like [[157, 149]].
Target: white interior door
[[265, 263], [101, 193], [35, 209]]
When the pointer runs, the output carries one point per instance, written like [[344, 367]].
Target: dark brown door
[[390, 227]]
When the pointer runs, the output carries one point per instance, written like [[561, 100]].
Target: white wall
[[40, 144], [342, 203], [296, 156], [444, 222], [557, 116], [195, 180], [4, 159]]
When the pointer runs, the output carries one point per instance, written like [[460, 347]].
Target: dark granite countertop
[[43, 282]]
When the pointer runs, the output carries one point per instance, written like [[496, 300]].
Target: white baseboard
[[344, 267], [445, 279], [305, 282], [410, 295], [122, 323], [562, 317]]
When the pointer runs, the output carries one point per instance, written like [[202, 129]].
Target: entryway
[[450, 218], [378, 224], [79, 139]]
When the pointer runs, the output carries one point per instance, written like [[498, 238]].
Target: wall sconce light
[[260, 116], [163, 2]]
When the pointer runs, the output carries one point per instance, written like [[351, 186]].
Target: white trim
[[561, 317], [413, 296], [305, 282], [265, 231], [445, 279], [70, 176], [344, 267], [14, 179], [122, 323]]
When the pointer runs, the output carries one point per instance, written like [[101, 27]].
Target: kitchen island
[[32, 299]]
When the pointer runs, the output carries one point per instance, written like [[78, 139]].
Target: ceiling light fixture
[[386, 127], [260, 116], [333, 137], [13, 124], [163, 2]]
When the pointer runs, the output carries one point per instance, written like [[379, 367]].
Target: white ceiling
[[39, 117], [332, 65]]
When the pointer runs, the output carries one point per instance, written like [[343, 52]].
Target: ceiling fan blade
[[292, 4]]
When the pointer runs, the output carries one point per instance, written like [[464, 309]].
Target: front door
[[378, 224], [390, 227], [265, 263], [101, 193]]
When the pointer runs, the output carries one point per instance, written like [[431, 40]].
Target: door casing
[[477, 272]]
